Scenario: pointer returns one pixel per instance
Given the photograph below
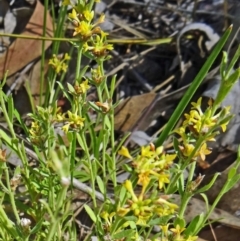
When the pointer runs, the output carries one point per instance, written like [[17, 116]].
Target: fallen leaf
[[129, 112], [23, 51]]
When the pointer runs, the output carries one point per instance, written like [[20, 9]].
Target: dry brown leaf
[[23, 51], [129, 112]]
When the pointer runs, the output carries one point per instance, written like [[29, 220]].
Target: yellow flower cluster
[[59, 65], [90, 33], [202, 122], [175, 234], [145, 208], [36, 132], [71, 120], [199, 124], [151, 164]]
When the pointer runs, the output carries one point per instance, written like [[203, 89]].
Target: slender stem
[[113, 152], [43, 51], [104, 141], [79, 59], [185, 164], [11, 195], [187, 196], [8, 223], [5, 113], [92, 178], [221, 193], [113, 41]]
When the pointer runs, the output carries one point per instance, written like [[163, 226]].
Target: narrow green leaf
[[232, 183], [181, 185], [233, 61], [83, 71], [100, 184], [205, 198], [113, 85], [10, 108], [122, 195], [233, 78], [223, 64], [209, 185], [232, 173], [64, 91], [90, 213], [123, 234], [194, 225], [70, 88]]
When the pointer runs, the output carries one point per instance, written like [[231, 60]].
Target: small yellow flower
[[143, 178], [187, 149], [65, 128], [204, 151], [172, 206], [146, 151], [101, 19], [177, 230], [123, 211], [73, 15], [165, 229], [124, 152], [128, 185], [75, 120], [98, 46], [59, 65], [82, 88], [197, 105], [88, 15], [162, 179]]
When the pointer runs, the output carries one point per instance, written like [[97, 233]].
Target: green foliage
[[142, 202]]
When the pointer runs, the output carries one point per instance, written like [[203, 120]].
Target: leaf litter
[[150, 79]]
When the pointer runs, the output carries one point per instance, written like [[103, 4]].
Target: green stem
[[113, 151], [11, 195], [43, 51], [79, 59], [8, 223], [91, 4], [92, 178], [187, 196], [185, 164], [104, 150], [6, 117], [221, 193], [56, 220]]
